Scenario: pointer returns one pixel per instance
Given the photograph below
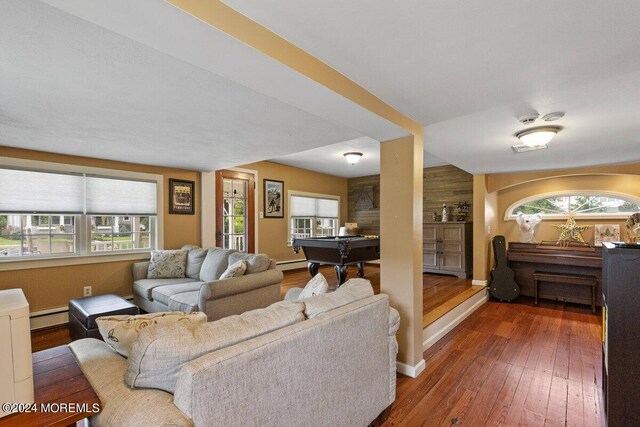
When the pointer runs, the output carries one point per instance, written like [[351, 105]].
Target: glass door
[[235, 213]]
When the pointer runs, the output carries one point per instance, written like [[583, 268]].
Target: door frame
[[251, 203]]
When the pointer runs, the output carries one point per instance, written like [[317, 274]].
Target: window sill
[[26, 264]]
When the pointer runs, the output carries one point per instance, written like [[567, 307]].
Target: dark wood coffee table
[[63, 394]]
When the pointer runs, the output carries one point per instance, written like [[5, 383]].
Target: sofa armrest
[[223, 288], [394, 321], [394, 324], [140, 270]]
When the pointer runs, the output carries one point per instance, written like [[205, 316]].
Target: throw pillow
[[215, 263], [316, 286], [167, 264], [121, 331], [256, 263], [195, 258], [160, 352], [236, 269]]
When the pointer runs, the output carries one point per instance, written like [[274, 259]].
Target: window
[[45, 214], [313, 216], [120, 233], [22, 235], [584, 204]]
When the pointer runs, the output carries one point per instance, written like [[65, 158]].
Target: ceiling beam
[[249, 32]]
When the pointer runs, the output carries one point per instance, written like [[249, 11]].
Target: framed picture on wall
[[606, 233], [182, 197], [273, 198]]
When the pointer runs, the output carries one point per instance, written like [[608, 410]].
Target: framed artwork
[[182, 197], [606, 233], [273, 198]]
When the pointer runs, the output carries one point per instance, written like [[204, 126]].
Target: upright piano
[[527, 258]]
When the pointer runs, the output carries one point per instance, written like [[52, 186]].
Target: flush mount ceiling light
[[538, 136], [352, 157]]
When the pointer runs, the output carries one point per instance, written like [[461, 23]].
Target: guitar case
[[502, 285]]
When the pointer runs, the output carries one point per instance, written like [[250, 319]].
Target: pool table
[[340, 252]]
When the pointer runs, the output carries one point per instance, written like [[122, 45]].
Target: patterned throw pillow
[[167, 264], [120, 332], [236, 269], [316, 286]]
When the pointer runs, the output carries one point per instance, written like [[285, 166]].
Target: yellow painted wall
[[53, 287], [273, 235], [502, 190], [625, 184]]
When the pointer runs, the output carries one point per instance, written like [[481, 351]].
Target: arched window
[[584, 204]]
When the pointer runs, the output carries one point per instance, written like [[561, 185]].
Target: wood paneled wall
[[442, 184]]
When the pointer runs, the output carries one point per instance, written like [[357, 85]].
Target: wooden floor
[[509, 364]]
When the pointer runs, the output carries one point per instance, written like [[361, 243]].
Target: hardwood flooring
[[509, 365], [506, 365]]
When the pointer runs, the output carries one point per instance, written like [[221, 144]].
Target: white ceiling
[[143, 82], [467, 69], [330, 159]]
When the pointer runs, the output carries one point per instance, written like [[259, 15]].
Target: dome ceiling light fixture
[[537, 137], [352, 157]]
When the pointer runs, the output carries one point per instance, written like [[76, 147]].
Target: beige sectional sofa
[[201, 289], [328, 360]]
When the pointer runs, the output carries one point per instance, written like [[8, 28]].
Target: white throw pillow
[[167, 264], [121, 331], [316, 286], [236, 269]]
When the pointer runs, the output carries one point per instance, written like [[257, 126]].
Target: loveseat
[[202, 290], [329, 360]]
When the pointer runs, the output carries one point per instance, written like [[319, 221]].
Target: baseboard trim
[[479, 282], [44, 319], [436, 330], [411, 371], [291, 265]]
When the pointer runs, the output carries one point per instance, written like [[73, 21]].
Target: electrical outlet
[[87, 291]]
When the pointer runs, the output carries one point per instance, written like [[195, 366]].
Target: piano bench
[[570, 279]]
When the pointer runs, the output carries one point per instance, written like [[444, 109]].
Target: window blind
[[40, 192], [327, 208], [301, 206], [120, 196]]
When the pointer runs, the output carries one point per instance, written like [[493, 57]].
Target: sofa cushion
[[195, 258], [121, 406], [255, 262], [185, 301], [167, 264], [162, 294], [156, 358], [352, 290], [236, 269], [316, 286], [144, 287], [215, 263], [120, 332]]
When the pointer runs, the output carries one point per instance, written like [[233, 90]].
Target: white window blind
[[120, 196], [40, 192], [327, 208], [311, 207], [303, 206]]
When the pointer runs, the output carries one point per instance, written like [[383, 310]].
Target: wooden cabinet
[[447, 248], [621, 348]]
